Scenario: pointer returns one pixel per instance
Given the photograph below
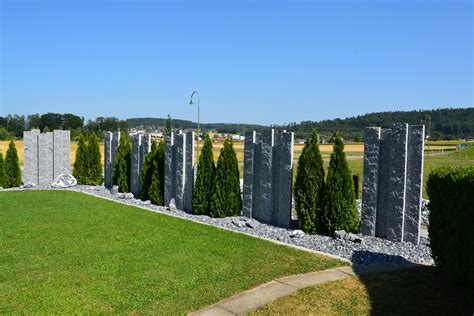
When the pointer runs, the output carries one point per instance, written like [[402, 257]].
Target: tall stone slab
[[45, 155], [61, 153], [108, 160], [371, 177], [135, 165], [383, 207], [397, 182], [180, 161], [31, 161], [249, 158], [169, 168], [189, 172], [264, 213], [416, 136], [115, 146], [282, 179]]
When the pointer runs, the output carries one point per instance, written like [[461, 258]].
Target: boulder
[[114, 190], [297, 234], [128, 196], [64, 181], [28, 185]]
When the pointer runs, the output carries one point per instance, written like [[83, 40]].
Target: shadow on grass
[[404, 288]]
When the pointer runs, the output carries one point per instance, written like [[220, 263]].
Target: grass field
[[69, 253], [420, 291]]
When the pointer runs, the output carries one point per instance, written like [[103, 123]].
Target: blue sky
[[265, 62]]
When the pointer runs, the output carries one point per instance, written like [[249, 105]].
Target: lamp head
[[191, 102]]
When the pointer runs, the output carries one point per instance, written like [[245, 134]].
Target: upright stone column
[[46, 148], [30, 161], [108, 160], [370, 185], [249, 156], [61, 153], [383, 207], [264, 213], [180, 161], [135, 165], [189, 172], [416, 136], [397, 182], [169, 168]]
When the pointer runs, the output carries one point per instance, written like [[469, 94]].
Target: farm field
[[66, 253]]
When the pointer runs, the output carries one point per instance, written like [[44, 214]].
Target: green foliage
[[2, 171], [94, 165], [12, 167], [169, 124], [4, 134], [450, 190], [309, 186], [147, 171], [122, 164], [340, 209], [80, 164], [204, 185], [226, 199], [156, 192], [46, 129]]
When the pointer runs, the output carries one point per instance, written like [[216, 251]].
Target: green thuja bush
[[147, 172], [226, 199], [156, 192], [94, 165], [12, 167], [204, 185], [451, 218], [2, 171], [340, 208], [122, 168], [80, 164], [309, 186]]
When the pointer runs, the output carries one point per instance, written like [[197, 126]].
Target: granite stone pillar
[[189, 172], [30, 161], [61, 153], [249, 156], [135, 165], [108, 160], [383, 208], [169, 168], [45, 155]]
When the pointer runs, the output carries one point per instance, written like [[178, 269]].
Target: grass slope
[[67, 252]]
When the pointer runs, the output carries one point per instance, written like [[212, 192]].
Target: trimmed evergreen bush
[[309, 186], [94, 165], [204, 185], [80, 164], [226, 199], [2, 171], [122, 164], [156, 191], [12, 167], [451, 217], [340, 208], [147, 171]]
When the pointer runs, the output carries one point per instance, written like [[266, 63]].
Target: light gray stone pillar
[[135, 165], [61, 153], [397, 182], [189, 172], [416, 136], [370, 185], [169, 168], [249, 158], [45, 156], [257, 178], [383, 207], [282, 178], [180, 157], [108, 160], [30, 161]]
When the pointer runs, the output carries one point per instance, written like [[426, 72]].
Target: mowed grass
[[71, 253], [420, 291]]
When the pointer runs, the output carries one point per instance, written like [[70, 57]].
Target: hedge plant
[[204, 185], [12, 167], [122, 164]]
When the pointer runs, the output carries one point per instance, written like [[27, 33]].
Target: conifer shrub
[[309, 186], [156, 192], [80, 164], [2, 171], [147, 171], [94, 165], [122, 164], [226, 199], [340, 208], [204, 185], [12, 167]]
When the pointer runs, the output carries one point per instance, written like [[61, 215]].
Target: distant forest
[[440, 124]]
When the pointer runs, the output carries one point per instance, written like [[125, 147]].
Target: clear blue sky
[[252, 61]]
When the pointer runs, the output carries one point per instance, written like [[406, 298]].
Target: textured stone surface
[[264, 213], [180, 176], [383, 207], [397, 182], [61, 153], [249, 154], [135, 165], [282, 179], [370, 185], [30, 161], [45, 170], [108, 160], [189, 172], [64, 181], [416, 136], [169, 168]]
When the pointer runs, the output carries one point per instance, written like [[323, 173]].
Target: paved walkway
[[262, 295]]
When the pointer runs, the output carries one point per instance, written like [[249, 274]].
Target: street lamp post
[[199, 117]]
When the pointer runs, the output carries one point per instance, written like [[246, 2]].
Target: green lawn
[[67, 252]]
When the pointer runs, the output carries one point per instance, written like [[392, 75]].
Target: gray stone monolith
[[30, 161], [249, 154]]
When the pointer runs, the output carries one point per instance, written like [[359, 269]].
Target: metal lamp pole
[[199, 117]]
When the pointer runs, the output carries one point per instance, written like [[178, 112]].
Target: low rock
[[353, 237], [128, 196], [147, 202], [28, 185], [249, 224], [297, 234], [172, 205], [64, 181], [339, 234], [120, 195], [114, 190], [238, 223]]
